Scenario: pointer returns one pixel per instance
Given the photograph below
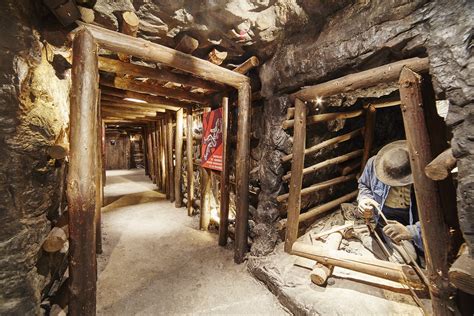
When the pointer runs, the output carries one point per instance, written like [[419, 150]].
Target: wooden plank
[[179, 158], [296, 182], [326, 163], [368, 134], [161, 54], [225, 190], [169, 127], [189, 156], [242, 172], [81, 176], [160, 75], [313, 119], [368, 78], [434, 229]]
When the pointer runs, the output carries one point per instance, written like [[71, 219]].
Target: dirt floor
[[157, 261]]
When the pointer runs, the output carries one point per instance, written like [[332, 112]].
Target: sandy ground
[[157, 262]]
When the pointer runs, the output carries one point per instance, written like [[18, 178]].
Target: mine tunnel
[[240, 157]]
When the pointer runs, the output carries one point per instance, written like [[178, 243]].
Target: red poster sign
[[211, 149]]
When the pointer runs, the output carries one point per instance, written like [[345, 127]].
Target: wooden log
[[161, 54], [114, 109], [225, 190], [326, 143], [242, 172], [166, 156], [216, 57], [81, 176], [98, 183], [58, 151], [341, 229], [179, 158], [187, 44], [205, 211], [135, 107], [440, 167], [102, 148], [434, 229], [87, 15], [384, 269], [56, 239], [129, 26], [368, 134], [169, 126], [153, 88], [320, 272], [168, 104], [319, 186], [325, 117], [151, 154], [350, 168], [189, 162], [326, 163], [160, 75], [368, 78], [155, 155], [296, 182], [247, 65], [461, 273]]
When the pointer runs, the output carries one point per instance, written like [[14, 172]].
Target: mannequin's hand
[[397, 231]]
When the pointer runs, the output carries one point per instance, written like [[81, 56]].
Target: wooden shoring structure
[[224, 202], [189, 161], [179, 156], [158, 134]]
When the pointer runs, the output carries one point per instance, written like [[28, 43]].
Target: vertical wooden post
[[150, 153], [205, 214], [296, 181], [370, 113], [224, 203], [163, 156], [81, 176], [145, 151], [155, 154], [189, 157], [102, 148], [179, 158], [242, 172], [434, 229], [98, 205], [169, 128]]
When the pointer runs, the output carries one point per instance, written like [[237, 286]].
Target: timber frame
[[92, 108], [414, 111]]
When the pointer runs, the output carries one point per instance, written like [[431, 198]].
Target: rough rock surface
[[34, 104]]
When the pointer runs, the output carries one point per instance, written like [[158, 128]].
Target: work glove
[[365, 208], [397, 231]]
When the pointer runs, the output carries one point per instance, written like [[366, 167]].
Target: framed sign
[[212, 147]]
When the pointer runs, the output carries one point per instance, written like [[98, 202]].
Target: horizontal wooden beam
[[169, 104], [247, 65], [161, 75], [325, 117], [153, 88], [135, 105], [128, 110], [368, 78], [161, 54]]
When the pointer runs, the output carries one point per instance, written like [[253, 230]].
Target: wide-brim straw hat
[[392, 164]]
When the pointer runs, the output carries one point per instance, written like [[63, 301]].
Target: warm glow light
[[319, 100], [135, 100]]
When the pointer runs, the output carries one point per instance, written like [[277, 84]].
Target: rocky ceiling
[[240, 27]]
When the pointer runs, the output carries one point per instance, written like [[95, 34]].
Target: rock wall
[[34, 103], [364, 35]]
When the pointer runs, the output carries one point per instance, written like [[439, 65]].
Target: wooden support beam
[[368, 78], [142, 108], [225, 190], [129, 26], [81, 176], [296, 182], [155, 155], [151, 153], [434, 229], [247, 65], [205, 212], [166, 154], [320, 273], [168, 104], [160, 75], [114, 109], [187, 44], [216, 57], [179, 158], [461, 273], [153, 88], [98, 182], [319, 186], [161, 54], [326, 143], [162, 154], [369, 130], [440, 167], [242, 171], [401, 273], [325, 117], [189, 160], [326, 163], [170, 142]]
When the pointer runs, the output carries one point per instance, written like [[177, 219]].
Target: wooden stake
[[81, 176], [224, 203], [179, 156], [434, 229], [169, 141], [363, 79], [242, 172], [294, 200], [189, 156], [368, 134]]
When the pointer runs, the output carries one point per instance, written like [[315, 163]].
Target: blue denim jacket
[[371, 187]]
